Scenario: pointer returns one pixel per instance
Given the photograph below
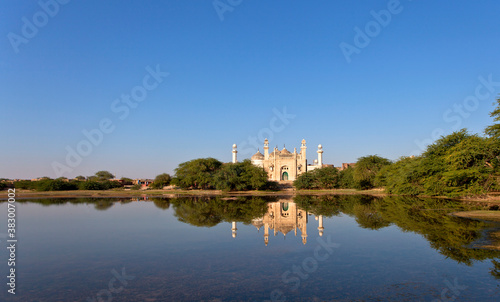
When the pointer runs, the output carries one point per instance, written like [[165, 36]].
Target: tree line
[[458, 164], [102, 180], [210, 173], [361, 177], [202, 173]]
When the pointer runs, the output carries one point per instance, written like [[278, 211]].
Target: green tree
[[455, 165], [494, 130], [442, 145], [404, 177], [104, 175], [127, 181], [80, 178], [346, 178], [197, 173], [324, 178], [54, 185], [304, 181], [255, 177], [91, 185], [111, 184], [161, 181], [240, 177], [366, 170], [24, 184]]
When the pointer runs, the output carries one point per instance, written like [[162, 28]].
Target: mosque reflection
[[283, 217]]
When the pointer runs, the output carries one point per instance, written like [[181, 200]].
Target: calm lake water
[[307, 248]]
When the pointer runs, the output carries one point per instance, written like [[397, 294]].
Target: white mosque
[[284, 165]]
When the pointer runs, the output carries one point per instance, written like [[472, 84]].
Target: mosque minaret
[[235, 152], [320, 155]]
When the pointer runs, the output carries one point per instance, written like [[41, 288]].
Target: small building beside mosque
[[283, 165]]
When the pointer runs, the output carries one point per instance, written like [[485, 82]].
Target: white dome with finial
[[258, 159]]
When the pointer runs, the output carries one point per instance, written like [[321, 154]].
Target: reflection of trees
[[327, 205], [368, 217], [161, 203], [196, 212], [99, 203], [103, 204], [126, 200], [210, 211], [359, 206], [429, 217], [447, 234], [495, 271]]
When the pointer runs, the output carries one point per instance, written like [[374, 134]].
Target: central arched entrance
[[284, 176]]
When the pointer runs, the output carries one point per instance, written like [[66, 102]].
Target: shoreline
[[484, 215], [26, 194], [491, 240]]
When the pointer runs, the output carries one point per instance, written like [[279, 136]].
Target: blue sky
[[411, 79]]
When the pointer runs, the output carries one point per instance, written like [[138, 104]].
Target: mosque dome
[[258, 156], [274, 153], [285, 151]]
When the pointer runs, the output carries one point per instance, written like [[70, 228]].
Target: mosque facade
[[283, 165]]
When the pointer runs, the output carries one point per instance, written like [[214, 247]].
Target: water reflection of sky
[[66, 253]]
